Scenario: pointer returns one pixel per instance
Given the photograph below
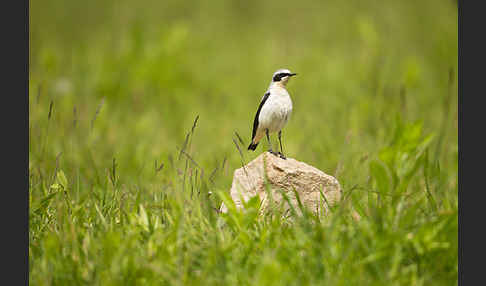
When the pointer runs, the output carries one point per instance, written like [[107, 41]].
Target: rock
[[284, 175]]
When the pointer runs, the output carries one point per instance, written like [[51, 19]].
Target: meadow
[[137, 111]]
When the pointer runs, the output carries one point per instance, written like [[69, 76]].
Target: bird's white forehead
[[282, 71]]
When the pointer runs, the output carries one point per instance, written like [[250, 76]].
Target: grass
[[135, 110]]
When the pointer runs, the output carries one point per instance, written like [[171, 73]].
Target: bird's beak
[[292, 74]]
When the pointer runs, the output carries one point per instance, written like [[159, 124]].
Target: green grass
[[116, 87]]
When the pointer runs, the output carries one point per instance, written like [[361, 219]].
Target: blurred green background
[[120, 83]]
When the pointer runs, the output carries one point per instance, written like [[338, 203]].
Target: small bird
[[274, 111]]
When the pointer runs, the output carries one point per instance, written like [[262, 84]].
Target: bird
[[273, 112]]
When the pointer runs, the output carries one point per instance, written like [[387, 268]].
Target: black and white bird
[[274, 111]]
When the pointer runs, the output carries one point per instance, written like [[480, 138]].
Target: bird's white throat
[[279, 84]]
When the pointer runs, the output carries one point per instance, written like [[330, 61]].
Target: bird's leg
[[269, 143], [281, 149]]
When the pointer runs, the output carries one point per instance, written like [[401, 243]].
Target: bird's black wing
[[255, 122]]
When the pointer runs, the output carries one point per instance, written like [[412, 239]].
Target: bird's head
[[282, 76]]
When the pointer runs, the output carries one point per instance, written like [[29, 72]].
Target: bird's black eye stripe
[[279, 76]]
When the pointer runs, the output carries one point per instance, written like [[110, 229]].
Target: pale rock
[[285, 175]]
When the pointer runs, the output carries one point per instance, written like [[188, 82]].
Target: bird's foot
[[273, 152], [281, 155]]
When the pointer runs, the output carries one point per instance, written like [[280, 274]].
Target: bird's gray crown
[[282, 73]]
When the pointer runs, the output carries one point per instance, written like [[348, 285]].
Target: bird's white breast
[[276, 110]]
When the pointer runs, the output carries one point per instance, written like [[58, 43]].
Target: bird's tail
[[252, 146]]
